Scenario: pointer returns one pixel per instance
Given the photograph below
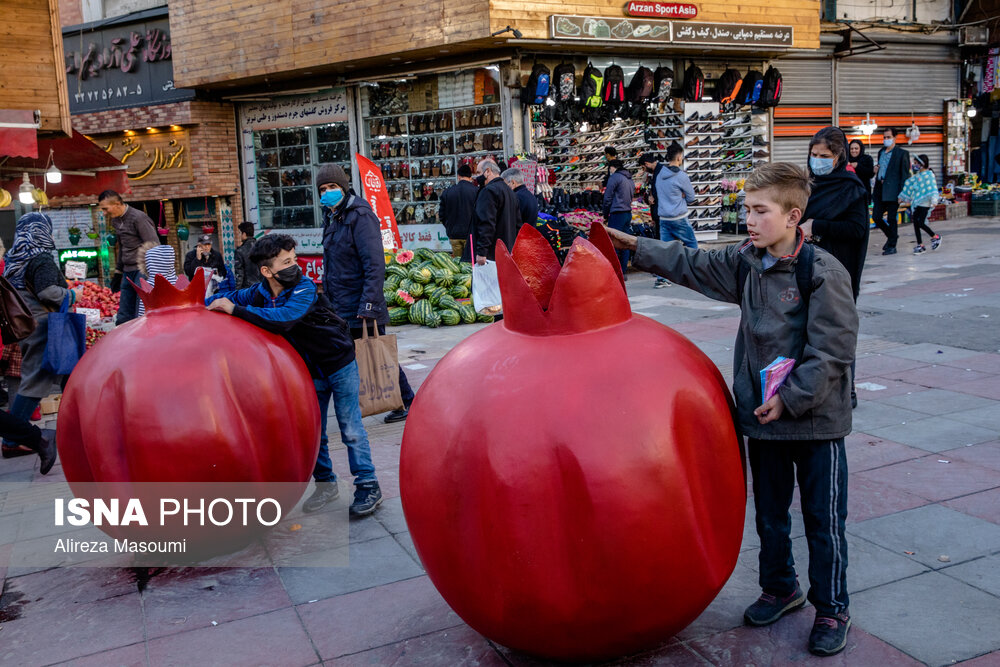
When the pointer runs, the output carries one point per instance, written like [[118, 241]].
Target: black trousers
[[920, 222], [821, 469], [881, 208], [404, 385], [17, 431]]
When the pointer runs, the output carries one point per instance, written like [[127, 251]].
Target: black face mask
[[289, 277], [480, 180]]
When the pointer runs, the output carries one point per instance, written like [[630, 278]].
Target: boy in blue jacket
[[286, 303]]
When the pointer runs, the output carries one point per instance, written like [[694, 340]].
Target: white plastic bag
[[486, 289]]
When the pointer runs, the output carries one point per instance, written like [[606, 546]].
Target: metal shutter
[[904, 78], [789, 149], [806, 82]]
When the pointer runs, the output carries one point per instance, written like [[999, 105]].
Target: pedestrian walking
[[920, 193], [133, 228], [893, 170], [797, 434], [497, 216], [458, 202], [863, 166], [617, 207]]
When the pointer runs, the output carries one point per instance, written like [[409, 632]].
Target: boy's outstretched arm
[[711, 272]]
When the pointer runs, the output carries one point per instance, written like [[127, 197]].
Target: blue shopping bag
[[67, 340]]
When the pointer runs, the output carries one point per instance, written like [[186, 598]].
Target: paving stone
[[390, 516], [868, 498], [277, 638], [865, 452], [872, 415], [986, 388], [785, 643], [71, 631], [406, 541], [127, 656], [456, 647], [929, 478], [372, 564], [986, 363], [376, 617], [930, 532], [987, 417], [934, 434], [938, 375], [888, 387], [983, 573], [984, 505], [726, 610], [880, 364], [937, 402], [931, 617], [988, 660], [53, 589], [183, 599], [934, 353]]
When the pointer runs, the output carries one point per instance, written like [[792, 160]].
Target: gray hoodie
[[673, 193], [817, 393]]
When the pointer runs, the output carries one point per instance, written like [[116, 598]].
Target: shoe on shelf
[[367, 497], [396, 416], [693, 118], [769, 608], [829, 634], [916, 251], [935, 242], [324, 493], [889, 251]]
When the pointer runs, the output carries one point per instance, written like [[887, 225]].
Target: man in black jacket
[[204, 256], [354, 262], [497, 217], [246, 271], [652, 167], [527, 204], [286, 303], [455, 210], [892, 170]]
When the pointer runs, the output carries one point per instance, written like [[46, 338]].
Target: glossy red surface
[[571, 476]]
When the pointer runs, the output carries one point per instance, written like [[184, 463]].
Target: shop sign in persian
[[661, 10], [152, 158], [733, 34], [296, 111], [667, 32]]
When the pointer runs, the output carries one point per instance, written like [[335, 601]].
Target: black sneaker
[[367, 497], [326, 492], [396, 416], [889, 251], [829, 634], [47, 452], [768, 608]]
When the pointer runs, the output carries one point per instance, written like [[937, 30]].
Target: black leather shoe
[[889, 251], [326, 492], [47, 452], [396, 416]]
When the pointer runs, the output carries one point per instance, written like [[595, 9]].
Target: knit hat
[[333, 173]]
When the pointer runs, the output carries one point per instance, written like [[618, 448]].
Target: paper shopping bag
[[378, 367]]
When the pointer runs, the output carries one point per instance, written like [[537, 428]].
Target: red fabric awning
[[76, 153], [18, 133]]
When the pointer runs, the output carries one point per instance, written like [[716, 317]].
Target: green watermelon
[[404, 298], [420, 275], [406, 285], [424, 254], [391, 282], [435, 293], [403, 257], [449, 317], [484, 318], [433, 320], [416, 289], [465, 280], [443, 277], [398, 316], [466, 268], [390, 297], [419, 310], [447, 301], [396, 270], [459, 291], [467, 312], [443, 260]]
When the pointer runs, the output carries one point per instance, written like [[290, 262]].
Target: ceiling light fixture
[[52, 174], [25, 192]]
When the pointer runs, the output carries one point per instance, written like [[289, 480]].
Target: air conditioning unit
[[973, 35]]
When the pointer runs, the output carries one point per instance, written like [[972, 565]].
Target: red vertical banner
[[378, 197]]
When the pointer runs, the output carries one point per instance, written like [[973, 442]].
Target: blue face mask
[[331, 198], [888, 143], [821, 166]]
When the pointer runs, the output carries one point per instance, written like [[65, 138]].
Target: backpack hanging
[[564, 83], [750, 90], [663, 82], [694, 84], [642, 86], [537, 89], [614, 86], [727, 89], [770, 91], [590, 87]]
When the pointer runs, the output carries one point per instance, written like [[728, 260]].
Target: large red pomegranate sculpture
[[187, 403], [571, 476]]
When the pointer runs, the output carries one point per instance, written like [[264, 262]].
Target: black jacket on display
[[457, 205], [354, 262], [497, 218], [527, 204], [838, 207]]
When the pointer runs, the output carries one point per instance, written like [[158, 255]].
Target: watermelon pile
[[429, 288]]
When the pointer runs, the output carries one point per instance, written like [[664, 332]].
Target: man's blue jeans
[[622, 222], [128, 305], [343, 387], [678, 230]]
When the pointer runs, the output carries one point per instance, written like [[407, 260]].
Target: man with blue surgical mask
[[354, 263], [893, 170]]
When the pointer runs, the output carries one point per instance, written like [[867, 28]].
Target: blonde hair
[[788, 183]]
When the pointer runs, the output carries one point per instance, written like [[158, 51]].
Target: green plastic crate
[[985, 207]]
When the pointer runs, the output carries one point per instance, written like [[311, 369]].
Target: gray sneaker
[[367, 498], [325, 492], [768, 608], [829, 634]]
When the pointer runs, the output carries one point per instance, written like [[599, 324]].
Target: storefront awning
[[18, 133], [86, 168]]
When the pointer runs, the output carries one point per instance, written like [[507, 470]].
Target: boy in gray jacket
[[803, 426]]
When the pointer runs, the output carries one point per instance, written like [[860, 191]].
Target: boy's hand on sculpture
[[621, 240], [771, 410], [223, 304]]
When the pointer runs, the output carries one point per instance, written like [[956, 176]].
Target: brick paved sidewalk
[[924, 524]]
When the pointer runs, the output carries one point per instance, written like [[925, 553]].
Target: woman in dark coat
[[836, 217], [863, 165]]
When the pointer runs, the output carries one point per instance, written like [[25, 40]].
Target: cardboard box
[[50, 404]]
